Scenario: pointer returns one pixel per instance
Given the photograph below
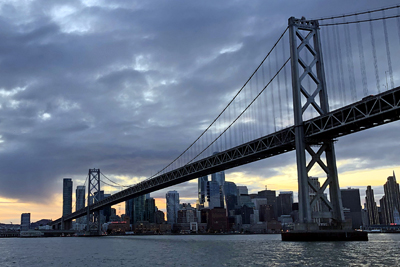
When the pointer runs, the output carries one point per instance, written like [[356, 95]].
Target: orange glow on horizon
[[11, 209]]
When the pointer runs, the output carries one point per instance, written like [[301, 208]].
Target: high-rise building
[[67, 196], [160, 218], [351, 201], [383, 218], [230, 188], [213, 199], [270, 195], [392, 195], [172, 198], [80, 197], [107, 210], [25, 221], [218, 177], [135, 209], [242, 190], [285, 202], [202, 189], [150, 210], [372, 210], [230, 196], [80, 201]]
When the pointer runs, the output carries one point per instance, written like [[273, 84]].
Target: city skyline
[[59, 115], [192, 198]]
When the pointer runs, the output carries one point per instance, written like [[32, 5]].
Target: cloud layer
[[125, 87]]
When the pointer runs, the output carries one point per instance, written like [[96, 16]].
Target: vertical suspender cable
[[265, 102], [388, 51], [350, 63], [272, 94], [340, 63], [279, 87], [337, 76], [330, 67], [378, 82], [362, 59], [286, 83], [398, 24], [257, 117]]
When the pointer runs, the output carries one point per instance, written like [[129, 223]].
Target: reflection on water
[[201, 250]]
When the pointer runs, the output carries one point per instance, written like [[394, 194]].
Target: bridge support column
[[309, 94], [93, 218]]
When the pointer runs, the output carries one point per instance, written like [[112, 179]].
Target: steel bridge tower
[[309, 92], [93, 196]]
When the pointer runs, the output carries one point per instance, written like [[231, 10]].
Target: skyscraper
[[392, 195], [202, 189], [67, 196], [285, 202], [172, 198], [135, 209], [270, 195], [384, 211], [218, 177], [25, 221], [372, 210], [150, 210], [351, 200], [80, 201], [213, 195], [230, 196]]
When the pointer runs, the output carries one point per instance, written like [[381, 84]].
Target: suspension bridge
[[284, 106]]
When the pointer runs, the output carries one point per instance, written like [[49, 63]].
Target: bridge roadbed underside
[[367, 113], [321, 235]]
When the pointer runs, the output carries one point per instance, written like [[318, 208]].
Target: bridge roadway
[[370, 112]]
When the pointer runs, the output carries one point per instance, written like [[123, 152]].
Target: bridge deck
[[370, 112]]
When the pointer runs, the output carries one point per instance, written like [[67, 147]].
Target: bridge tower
[[93, 196], [309, 92]]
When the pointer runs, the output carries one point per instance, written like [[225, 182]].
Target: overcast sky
[[124, 85]]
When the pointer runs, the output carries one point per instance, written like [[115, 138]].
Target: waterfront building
[[371, 208], [172, 198], [392, 194], [217, 220], [351, 201], [80, 201], [67, 196], [187, 214], [25, 221], [202, 189]]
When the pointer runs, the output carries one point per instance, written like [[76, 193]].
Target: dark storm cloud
[[125, 87]]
